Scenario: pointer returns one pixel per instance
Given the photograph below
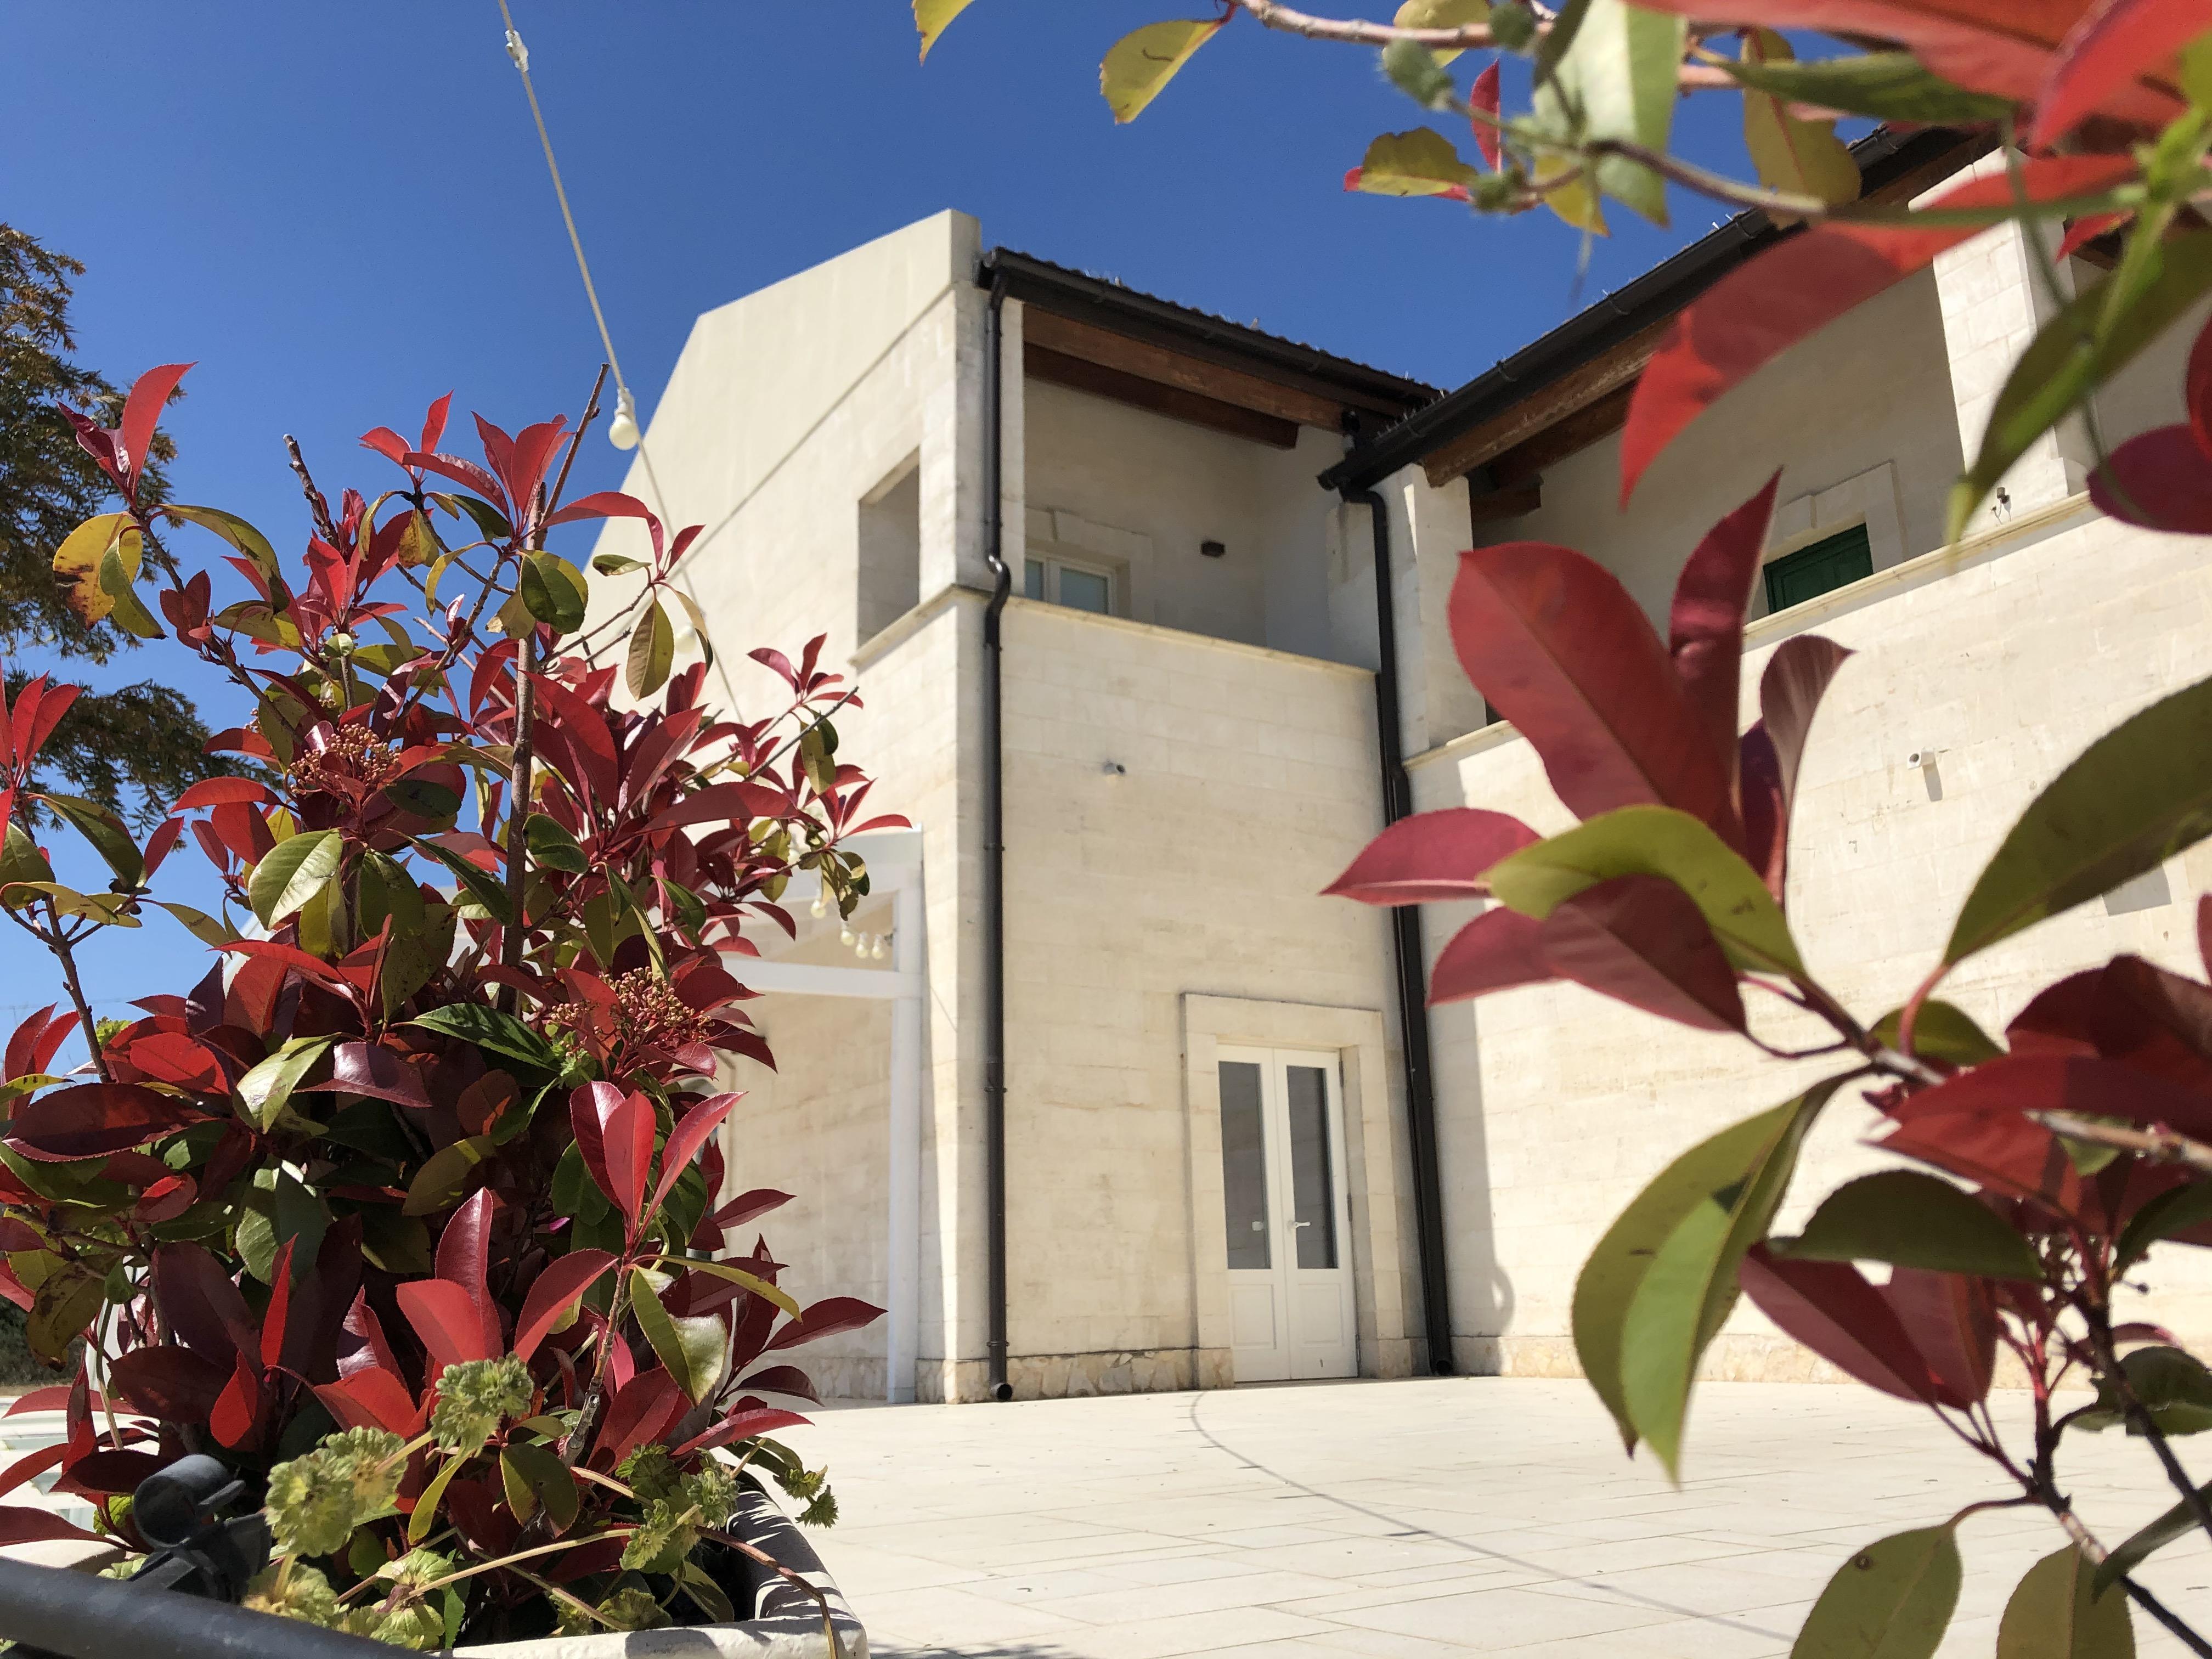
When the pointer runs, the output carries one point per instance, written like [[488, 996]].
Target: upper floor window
[[1831, 563], [1060, 581]]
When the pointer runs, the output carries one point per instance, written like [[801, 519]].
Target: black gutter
[[1651, 298], [82, 1616], [994, 850], [1160, 322], [1410, 961]]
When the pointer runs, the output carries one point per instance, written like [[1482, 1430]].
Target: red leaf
[[1643, 939], [1951, 1319], [201, 1305], [1789, 694], [32, 1465], [2016, 1084], [376, 1396], [282, 956], [607, 504], [32, 1046], [2114, 43], [2161, 480], [1830, 1308], [237, 1408], [170, 1382], [20, 1524], [173, 1057], [214, 791], [93, 1119], [2079, 233], [589, 1108], [1496, 952], [2001, 46], [445, 1317], [748, 1206], [2204, 934], [464, 1259], [643, 1409], [1557, 646], [723, 803], [685, 1140], [741, 1425], [557, 1289], [373, 1398], [460, 471], [783, 1379], [433, 421], [110, 1471], [1705, 625], [1807, 280], [827, 1318], [1433, 857], [1482, 96], [142, 413]]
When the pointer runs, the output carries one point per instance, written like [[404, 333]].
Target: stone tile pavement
[[1417, 1520]]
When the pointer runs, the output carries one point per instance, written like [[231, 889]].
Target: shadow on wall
[[1482, 1296]]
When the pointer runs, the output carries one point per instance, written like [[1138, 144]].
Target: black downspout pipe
[[1410, 961], [994, 854]]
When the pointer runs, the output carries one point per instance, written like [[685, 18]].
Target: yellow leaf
[[1442, 14], [77, 561], [931, 17], [1421, 162], [1140, 63], [1805, 158], [1575, 201]]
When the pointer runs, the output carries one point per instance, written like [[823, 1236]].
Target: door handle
[[1301, 1224]]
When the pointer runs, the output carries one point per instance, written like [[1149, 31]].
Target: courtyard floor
[[1426, 1519]]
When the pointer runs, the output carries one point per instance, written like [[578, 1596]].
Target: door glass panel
[[1085, 590], [1032, 579], [1313, 1190], [1244, 1164]]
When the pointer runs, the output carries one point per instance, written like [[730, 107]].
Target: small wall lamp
[[1214, 550]]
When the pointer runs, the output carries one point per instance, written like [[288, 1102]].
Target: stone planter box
[[784, 1621]]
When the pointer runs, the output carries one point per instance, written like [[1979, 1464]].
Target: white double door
[[1289, 1230]]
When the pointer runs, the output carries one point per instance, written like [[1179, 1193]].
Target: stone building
[[1214, 1159]]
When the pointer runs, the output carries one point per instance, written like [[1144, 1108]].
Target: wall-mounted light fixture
[[1214, 550]]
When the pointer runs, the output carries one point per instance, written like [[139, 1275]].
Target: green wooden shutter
[[1826, 565]]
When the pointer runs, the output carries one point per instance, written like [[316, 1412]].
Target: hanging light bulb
[[819, 908], [878, 948], [621, 431], [846, 938]]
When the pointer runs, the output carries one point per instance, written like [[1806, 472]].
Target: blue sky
[[341, 212]]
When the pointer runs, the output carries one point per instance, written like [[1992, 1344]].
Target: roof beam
[[1119, 352], [1525, 461], [1081, 374], [1572, 392]]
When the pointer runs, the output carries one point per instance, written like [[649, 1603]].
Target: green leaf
[[2075, 353], [1142, 62], [1802, 157], [202, 925], [931, 16], [425, 799], [1421, 162], [20, 858], [1942, 1032], [2136, 797], [1889, 86], [697, 1351], [491, 524], [1616, 81], [1566, 24], [700, 636], [1655, 840], [420, 1524], [292, 871], [1614, 1275], [616, 564], [2055, 1613], [553, 592], [264, 1092], [752, 1282], [651, 652], [2179, 1522], [551, 845], [1913, 1220], [493, 1029], [65, 1305], [1690, 1284], [1442, 14], [100, 826], [488, 891], [110, 909], [233, 529], [2172, 1386], [444, 1174], [125, 609], [2173, 1210], [535, 1477], [1892, 1600], [78, 561]]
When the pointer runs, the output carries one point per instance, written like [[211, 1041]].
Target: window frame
[[1055, 562], [1828, 544]]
